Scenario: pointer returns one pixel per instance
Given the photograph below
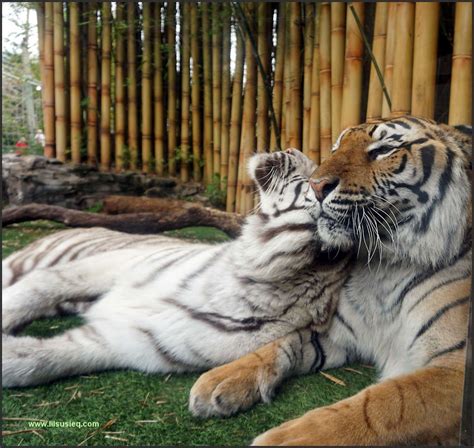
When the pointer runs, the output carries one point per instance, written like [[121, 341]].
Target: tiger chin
[[158, 304]]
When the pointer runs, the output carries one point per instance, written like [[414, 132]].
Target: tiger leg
[[29, 361], [420, 407], [43, 291], [238, 385], [100, 344]]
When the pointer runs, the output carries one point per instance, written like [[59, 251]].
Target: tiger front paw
[[334, 425], [231, 388]]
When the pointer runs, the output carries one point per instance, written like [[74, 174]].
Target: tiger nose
[[323, 187]]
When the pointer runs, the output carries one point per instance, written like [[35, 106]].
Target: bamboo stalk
[[75, 85], [352, 88], [158, 102], [59, 96], [374, 102], [325, 79], [338, 35], [247, 143], [132, 87], [172, 101], [236, 116], [92, 78], [403, 60], [105, 78], [389, 55], [460, 101], [185, 100], [275, 142], [146, 118], [295, 74], [67, 77], [195, 93], [119, 87], [307, 74], [225, 105], [285, 115], [207, 77], [262, 99], [48, 95], [314, 136], [39, 8], [216, 86], [424, 59]]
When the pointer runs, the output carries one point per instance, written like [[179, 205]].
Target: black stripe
[[439, 285], [418, 141], [415, 120], [291, 359], [320, 357], [210, 262], [217, 320], [153, 275], [17, 264], [444, 180], [80, 244], [292, 206], [402, 165], [344, 323], [402, 124], [428, 324], [163, 352], [458, 346], [467, 130], [268, 234], [324, 288], [294, 253], [372, 131], [412, 284], [427, 160]]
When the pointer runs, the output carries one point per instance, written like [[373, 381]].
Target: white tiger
[[159, 304]]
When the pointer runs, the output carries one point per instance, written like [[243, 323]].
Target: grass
[[139, 409]]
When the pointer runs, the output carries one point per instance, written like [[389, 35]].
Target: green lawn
[[138, 409]]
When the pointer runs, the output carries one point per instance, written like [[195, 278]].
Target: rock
[[27, 179]]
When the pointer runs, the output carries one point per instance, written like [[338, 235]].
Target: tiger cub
[[158, 304]]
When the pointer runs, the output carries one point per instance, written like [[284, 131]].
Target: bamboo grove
[[191, 89]]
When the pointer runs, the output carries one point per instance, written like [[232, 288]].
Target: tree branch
[[174, 215]]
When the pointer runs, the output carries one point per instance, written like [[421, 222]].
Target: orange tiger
[[398, 192]]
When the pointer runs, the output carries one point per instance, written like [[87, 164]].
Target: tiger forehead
[[356, 134], [377, 130]]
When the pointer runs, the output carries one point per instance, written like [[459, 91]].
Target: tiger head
[[398, 187], [282, 180]]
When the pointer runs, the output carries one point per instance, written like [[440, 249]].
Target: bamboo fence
[[192, 89]]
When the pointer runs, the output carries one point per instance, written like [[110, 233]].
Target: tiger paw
[[231, 388], [328, 426]]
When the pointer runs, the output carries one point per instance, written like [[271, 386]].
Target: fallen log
[[175, 215], [119, 204]]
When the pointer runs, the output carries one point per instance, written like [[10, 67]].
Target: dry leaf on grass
[[106, 425], [333, 378], [350, 369]]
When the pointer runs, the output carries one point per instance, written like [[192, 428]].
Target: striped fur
[[399, 194], [159, 304]]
